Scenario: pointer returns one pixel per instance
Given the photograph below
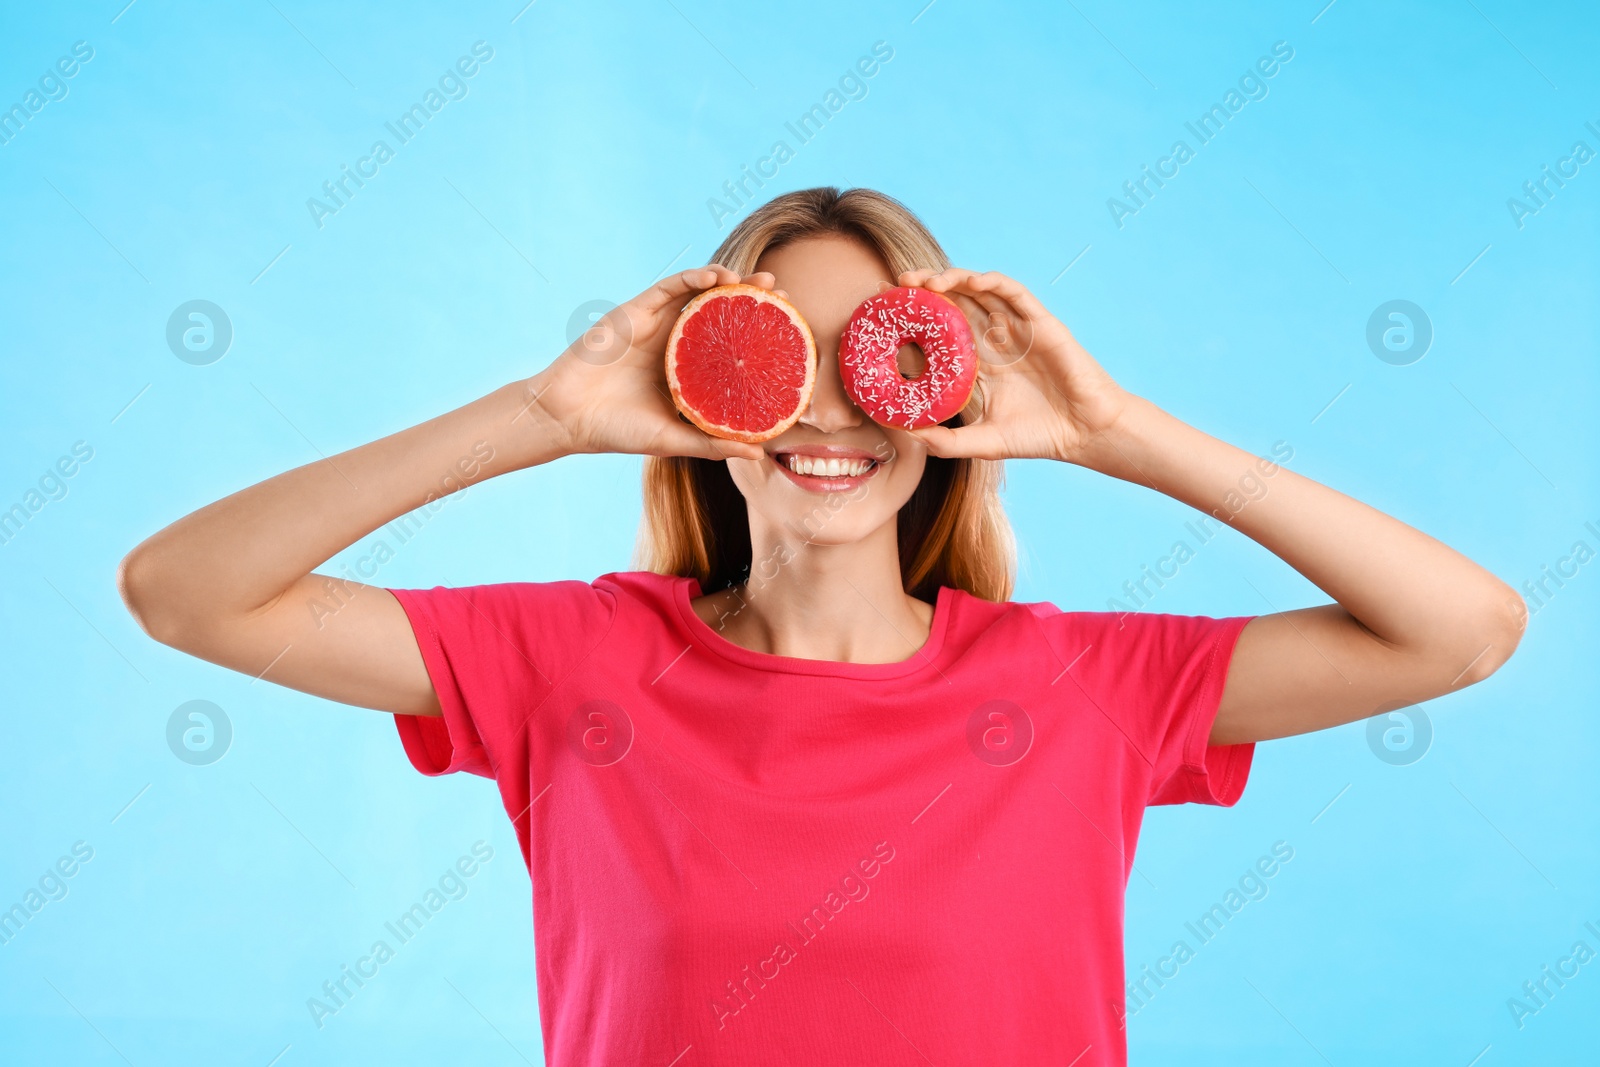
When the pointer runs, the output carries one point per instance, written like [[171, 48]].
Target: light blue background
[[579, 168]]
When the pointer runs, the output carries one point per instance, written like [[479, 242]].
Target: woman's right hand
[[608, 391]]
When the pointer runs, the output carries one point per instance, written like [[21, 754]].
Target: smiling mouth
[[826, 469]]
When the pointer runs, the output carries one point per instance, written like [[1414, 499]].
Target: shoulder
[[567, 601], [1129, 625], [566, 617], [1110, 640], [1039, 617], [642, 587], [506, 601], [551, 626]]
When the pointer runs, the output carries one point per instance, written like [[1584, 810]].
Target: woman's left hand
[[1044, 397]]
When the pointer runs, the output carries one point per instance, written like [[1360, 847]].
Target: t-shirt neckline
[[926, 658]]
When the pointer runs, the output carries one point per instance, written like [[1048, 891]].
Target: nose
[[831, 408]]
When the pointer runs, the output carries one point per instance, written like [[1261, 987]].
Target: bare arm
[[1412, 619], [233, 582]]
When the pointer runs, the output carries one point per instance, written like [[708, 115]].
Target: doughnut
[[871, 343]]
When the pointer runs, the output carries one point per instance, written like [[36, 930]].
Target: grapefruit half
[[741, 363]]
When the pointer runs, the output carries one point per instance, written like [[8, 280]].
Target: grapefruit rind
[[730, 433]]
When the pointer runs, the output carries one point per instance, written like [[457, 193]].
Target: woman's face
[[835, 476]]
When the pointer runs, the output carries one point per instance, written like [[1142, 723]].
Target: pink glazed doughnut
[[871, 343]]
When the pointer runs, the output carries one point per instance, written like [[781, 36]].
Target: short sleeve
[[1160, 678], [494, 653]]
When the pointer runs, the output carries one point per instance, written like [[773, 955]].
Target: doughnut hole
[[911, 360]]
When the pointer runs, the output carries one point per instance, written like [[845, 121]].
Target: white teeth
[[827, 468]]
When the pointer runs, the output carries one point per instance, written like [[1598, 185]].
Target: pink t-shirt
[[740, 858]]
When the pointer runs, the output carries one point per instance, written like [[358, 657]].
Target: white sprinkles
[[868, 356]]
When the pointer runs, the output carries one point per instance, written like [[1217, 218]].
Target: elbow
[[1500, 625], [145, 595]]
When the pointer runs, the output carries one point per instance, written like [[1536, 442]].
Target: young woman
[[806, 787]]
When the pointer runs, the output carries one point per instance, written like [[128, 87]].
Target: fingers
[[973, 284], [979, 307], [677, 286], [937, 280], [975, 294], [959, 278], [681, 439], [1011, 291], [979, 441], [724, 449], [1003, 335], [681, 285]]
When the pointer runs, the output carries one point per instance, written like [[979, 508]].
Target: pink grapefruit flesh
[[741, 363], [868, 358]]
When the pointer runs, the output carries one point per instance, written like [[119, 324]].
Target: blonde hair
[[953, 531]]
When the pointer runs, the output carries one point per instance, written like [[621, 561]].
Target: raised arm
[[1412, 619], [233, 583]]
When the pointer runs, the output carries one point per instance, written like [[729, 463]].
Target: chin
[[823, 527]]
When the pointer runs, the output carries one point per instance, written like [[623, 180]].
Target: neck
[[824, 602]]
